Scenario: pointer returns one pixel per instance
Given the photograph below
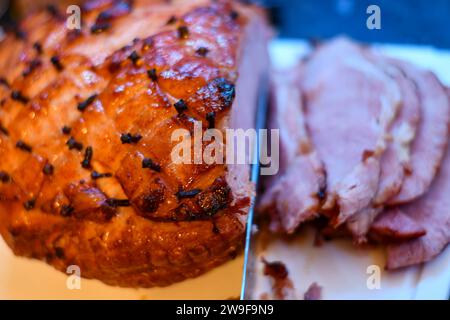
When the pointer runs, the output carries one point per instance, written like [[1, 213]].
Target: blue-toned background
[[402, 21]]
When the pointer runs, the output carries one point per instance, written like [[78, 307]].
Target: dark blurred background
[[402, 21]]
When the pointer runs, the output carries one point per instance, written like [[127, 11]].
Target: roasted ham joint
[[86, 118], [364, 145]]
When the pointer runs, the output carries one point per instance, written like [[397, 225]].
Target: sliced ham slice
[[395, 225], [350, 106], [395, 161], [293, 196], [432, 213], [429, 146]]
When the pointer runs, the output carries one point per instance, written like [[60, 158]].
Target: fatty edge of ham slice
[[396, 159], [429, 145], [432, 212], [292, 197], [350, 106]]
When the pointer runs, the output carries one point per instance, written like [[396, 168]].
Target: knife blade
[[260, 123]]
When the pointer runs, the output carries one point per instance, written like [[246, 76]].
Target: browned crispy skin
[[91, 182]]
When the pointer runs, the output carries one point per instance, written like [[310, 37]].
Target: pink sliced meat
[[395, 161], [429, 145], [350, 106], [292, 196], [432, 213], [394, 225]]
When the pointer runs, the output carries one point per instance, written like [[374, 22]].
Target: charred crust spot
[[104, 16], [128, 138], [53, 11], [34, 64], [135, 58], [38, 47], [73, 144], [99, 27], [118, 58], [234, 14], [147, 43], [48, 169], [118, 9], [217, 197], [217, 95], [86, 103], [5, 177], [227, 91], [211, 118], [187, 193], [194, 204], [23, 146], [152, 74], [14, 232], [66, 130], [59, 253], [88, 153], [56, 62], [215, 229], [183, 32], [30, 204], [18, 96], [4, 130], [171, 20], [66, 210], [115, 203], [149, 202], [4, 82], [233, 254], [20, 34], [180, 106], [108, 213], [184, 212], [148, 163], [202, 51], [96, 175]]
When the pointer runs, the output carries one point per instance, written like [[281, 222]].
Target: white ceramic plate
[[22, 278]]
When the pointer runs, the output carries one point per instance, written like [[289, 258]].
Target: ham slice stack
[[363, 142]]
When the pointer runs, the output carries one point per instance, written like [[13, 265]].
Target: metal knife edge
[[260, 123]]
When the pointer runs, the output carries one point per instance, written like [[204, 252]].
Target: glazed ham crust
[[86, 119]]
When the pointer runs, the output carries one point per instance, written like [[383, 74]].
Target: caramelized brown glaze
[[86, 119]]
